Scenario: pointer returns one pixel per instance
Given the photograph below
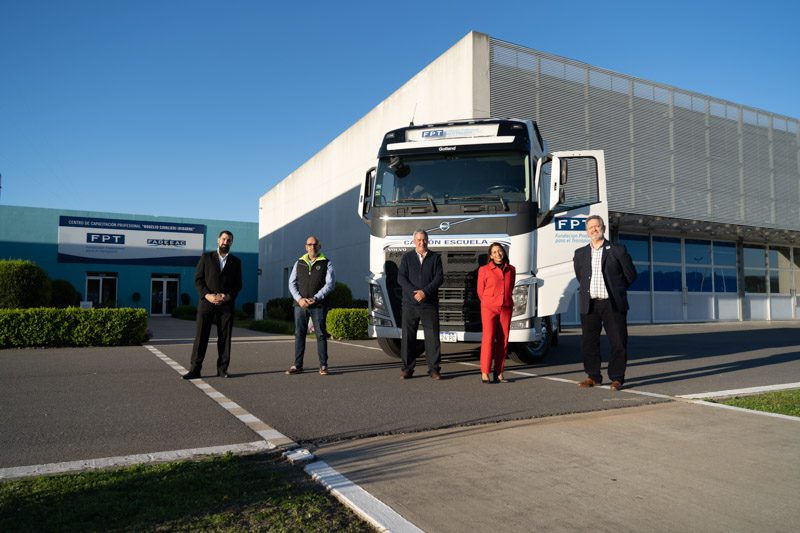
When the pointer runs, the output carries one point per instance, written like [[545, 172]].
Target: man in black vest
[[218, 279], [311, 282], [420, 274]]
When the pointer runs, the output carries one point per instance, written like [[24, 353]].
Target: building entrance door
[[163, 296]]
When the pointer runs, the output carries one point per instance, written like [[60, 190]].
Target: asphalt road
[[78, 403]]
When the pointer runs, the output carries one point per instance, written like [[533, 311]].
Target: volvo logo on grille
[[444, 226]]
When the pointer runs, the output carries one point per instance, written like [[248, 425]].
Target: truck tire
[[391, 347], [529, 353]]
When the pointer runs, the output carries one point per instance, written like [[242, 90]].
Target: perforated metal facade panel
[[669, 152]]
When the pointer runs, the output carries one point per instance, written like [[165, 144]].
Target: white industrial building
[[704, 192]]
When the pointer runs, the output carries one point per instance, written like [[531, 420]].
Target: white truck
[[468, 184]]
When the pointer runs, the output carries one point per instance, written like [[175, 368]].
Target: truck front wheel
[[529, 353], [391, 347]]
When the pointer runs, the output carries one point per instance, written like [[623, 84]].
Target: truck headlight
[[377, 301], [520, 296]]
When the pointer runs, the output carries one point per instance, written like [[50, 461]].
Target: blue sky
[[196, 108]]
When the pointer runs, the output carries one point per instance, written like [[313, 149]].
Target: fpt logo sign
[[570, 224], [432, 134], [105, 238]]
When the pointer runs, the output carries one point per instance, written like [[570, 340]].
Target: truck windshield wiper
[[420, 200], [498, 197]]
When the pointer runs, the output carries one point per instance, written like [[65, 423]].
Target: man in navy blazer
[[605, 271], [218, 279], [420, 275]]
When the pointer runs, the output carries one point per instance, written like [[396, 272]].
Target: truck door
[[569, 186]]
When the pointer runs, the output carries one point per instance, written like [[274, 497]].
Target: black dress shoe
[[192, 374], [223, 374]]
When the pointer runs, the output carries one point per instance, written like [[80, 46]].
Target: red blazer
[[495, 286]]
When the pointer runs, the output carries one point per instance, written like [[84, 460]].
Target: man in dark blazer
[[420, 274], [605, 271], [218, 279]]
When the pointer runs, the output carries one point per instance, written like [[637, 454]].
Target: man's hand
[[306, 302], [419, 296], [217, 299]]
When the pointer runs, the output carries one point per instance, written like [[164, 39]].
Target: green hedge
[[72, 327], [271, 326], [23, 285], [347, 323], [185, 312], [281, 309]]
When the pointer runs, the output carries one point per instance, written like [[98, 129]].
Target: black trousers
[[601, 315], [429, 316], [208, 314]]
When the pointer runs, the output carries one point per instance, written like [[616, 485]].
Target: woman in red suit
[[495, 286]]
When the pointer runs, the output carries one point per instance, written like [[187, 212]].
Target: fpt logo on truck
[[432, 133], [570, 224]]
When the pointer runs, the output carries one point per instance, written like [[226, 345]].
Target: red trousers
[[494, 342]]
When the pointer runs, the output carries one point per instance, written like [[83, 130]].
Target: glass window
[[697, 252], [724, 279], [780, 281], [755, 280], [753, 256], [698, 279], [667, 278], [724, 253], [779, 257], [666, 250], [101, 289], [93, 291], [796, 260], [638, 246], [453, 178], [642, 282]]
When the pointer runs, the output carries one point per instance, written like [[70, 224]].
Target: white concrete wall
[[320, 197]]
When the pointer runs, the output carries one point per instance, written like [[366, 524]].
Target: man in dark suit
[[605, 271], [420, 274], [218, 279]]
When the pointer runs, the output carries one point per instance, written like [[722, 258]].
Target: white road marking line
[[247, 418], [359, 500], [678, 398], [128, 460], [734, 392], [742, 409], [356, 345]]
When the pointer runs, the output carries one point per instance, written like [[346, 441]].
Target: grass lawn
[[781, 402], [231, 493]]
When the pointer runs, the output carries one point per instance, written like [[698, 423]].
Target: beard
[[224, 248]]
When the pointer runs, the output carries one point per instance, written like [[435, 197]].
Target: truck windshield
[[453, 179]]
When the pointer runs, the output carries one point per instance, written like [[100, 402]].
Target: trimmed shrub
[[185, 312], [23, 284], [63, 294], [273, 326], [281, 309], [341, 297], [347, 323], [358, 303], [249, 308], [72, 327], [238, 314]]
